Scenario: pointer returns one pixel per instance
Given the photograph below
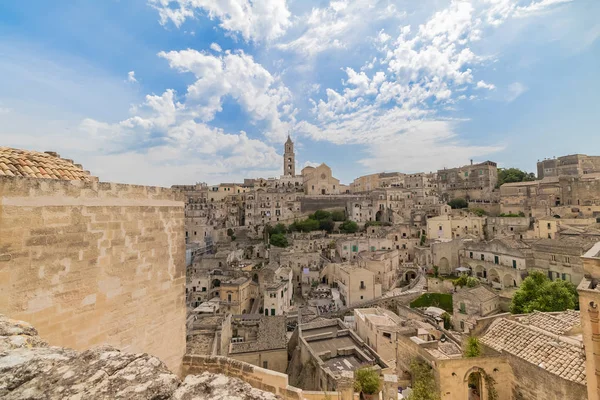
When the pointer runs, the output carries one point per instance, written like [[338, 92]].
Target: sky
[[163, 92]]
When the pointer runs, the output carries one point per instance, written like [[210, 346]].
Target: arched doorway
[[444, 266], [479, 270], [255, 278], [410, 275], [475, 384], [216, 283], [493, 276]]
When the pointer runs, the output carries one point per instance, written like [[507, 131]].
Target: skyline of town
[[169, 92]]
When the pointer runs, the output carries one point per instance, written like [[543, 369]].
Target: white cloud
[[216, 47], [262, 20], [262, 95], [515, 90], [484, 85], [310, 164], [5, 110], [337, 25], [536, 7], [131, 77]]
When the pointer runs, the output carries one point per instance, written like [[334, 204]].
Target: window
[[439, 228], [265, 365], [387, 335], [355, 249], [229, 297], [567, 260], [361, 297], [272, 311], [463, 308], [266, 311], [552, 257], [549, 226], [496, 261], [482, 257], [470, 254], [372, 248], [564, 277], [204, 289], [362, 284], [515, 264]]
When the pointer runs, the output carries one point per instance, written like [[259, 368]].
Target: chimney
[[52, 153], [471, 161]]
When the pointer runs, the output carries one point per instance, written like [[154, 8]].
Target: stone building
[[271, 206], [471, 182], [320, 181], [91, 263], [589, 299], [571, 165], [501, 262], [561, 258], [451, 227], [260, 341], [238, 295], [371, 182], [470, 304], [545, 353], [514, 227], [378, 327], [279, 293], [356, 285], [383, 263], [322, 351]]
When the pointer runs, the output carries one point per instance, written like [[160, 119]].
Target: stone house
[[278, 294], [383, 263], [378, 327], [501, 262], [474, 181], [469, 304], [561, 258], [260, 341], [451, 227], [238, 295], [514, 227], [571, 165], [323, 351], [355, 284]]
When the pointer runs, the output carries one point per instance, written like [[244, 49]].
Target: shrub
[[349, 227], [472, 347], [447, 320], [367, 380], [423, 382], [279, 240], [480, 212], [338, 215], [458, 203], [320, 215], [327, 225]]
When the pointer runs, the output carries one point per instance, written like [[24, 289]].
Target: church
[[315, 180]]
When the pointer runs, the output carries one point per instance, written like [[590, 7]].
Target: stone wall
[[314, 203], [260, 378], [95, 263]]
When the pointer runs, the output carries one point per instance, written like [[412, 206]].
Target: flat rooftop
[[344, 363]]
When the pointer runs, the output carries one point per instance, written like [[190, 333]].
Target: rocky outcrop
[[30, 369]]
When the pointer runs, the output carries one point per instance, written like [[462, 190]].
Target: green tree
[[423, 382], [423, 239], [447, 320], [458, 203], [472, 347], [538, 293], [367, 381], [320, 215], [327, 225], [279, 228], [338, 215], [349, 227], [279, 240], [480, 212], [509, 175]]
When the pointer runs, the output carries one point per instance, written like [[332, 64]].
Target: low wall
[[314, 203], [260, 378], [437, 285]]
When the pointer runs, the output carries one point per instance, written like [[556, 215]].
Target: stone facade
[[289, 159], [320, 181], [450, 227], [474, 181], [93, 263], [574, 165]]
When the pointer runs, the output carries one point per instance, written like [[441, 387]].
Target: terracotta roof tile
[[33, 164], [531, 344]]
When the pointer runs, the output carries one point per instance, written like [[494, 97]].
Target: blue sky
[[166, 92]]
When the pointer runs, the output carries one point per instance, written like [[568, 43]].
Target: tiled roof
[[481, 293], [558, 324], [33, 164], [532, 345]]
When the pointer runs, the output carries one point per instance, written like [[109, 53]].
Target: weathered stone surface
[[29, 369]]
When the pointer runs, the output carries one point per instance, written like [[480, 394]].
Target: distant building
[[238, 295], [572, 165], [471, 182], [469, 304]]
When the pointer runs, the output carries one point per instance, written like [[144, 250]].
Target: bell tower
[[289, 158]]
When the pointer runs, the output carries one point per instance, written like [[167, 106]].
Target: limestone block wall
[[95, 263]]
